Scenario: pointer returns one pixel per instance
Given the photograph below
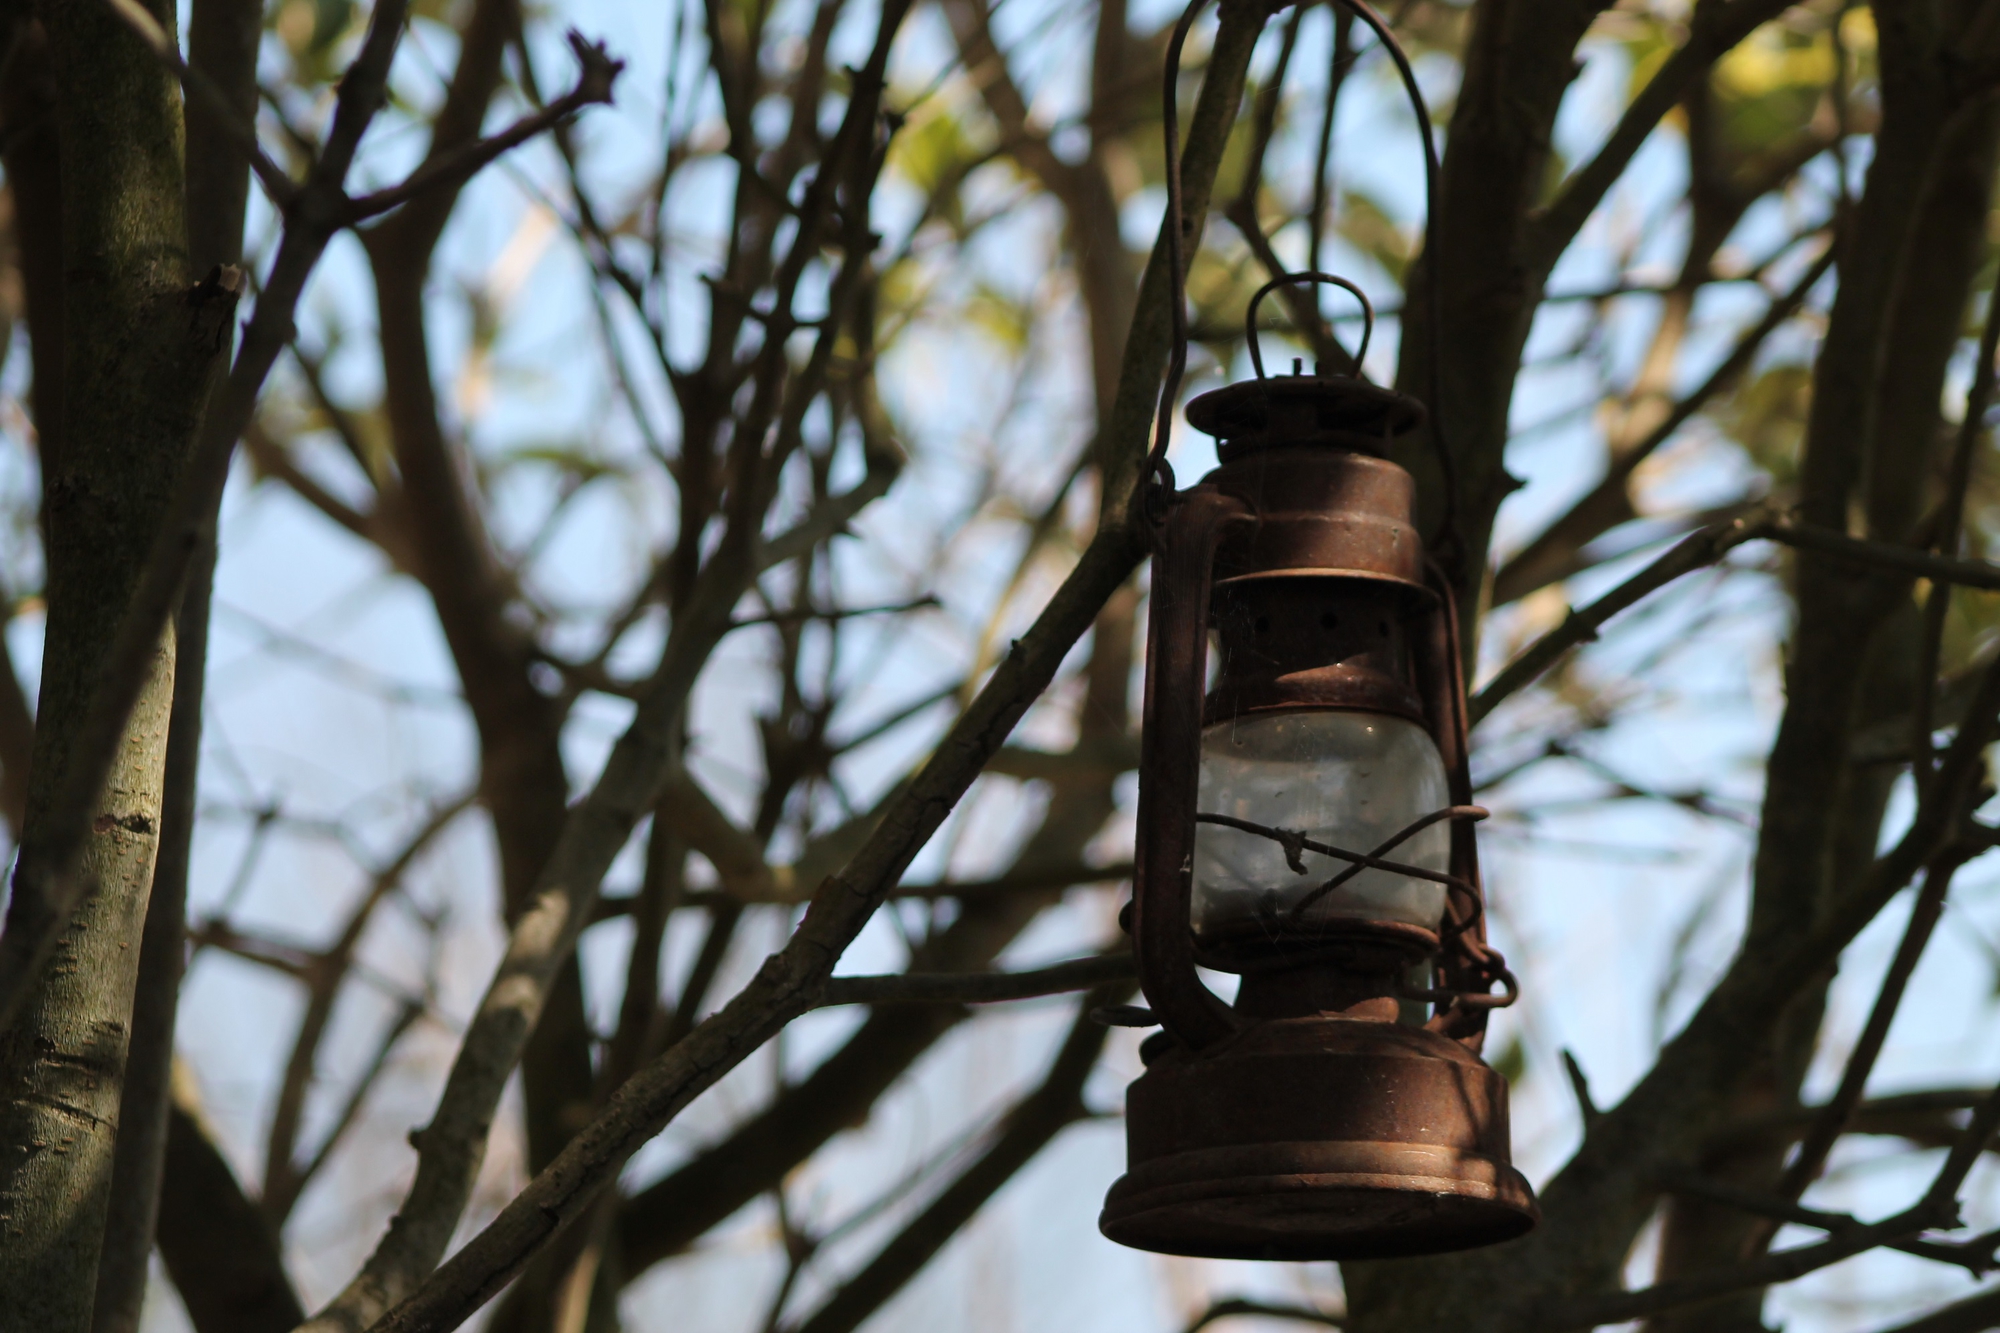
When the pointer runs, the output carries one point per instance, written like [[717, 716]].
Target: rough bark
[[139, 341], [223, 38]]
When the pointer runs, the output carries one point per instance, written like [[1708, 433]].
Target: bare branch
[[1783, 1266], [1862, 552], [593, 87], [1028, 1128], [1702, 549], [789, 981], [1777, 1209], [314, 216], [1974, 1314], [1937, 1208], [224, 1257], [324, 976], [1608, 503], [978, 987], [302, 1176], [831, 516], [1717, 26], [451, 1147], [1833, 1117]]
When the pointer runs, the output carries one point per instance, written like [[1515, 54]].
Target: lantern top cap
[[1332, 411]]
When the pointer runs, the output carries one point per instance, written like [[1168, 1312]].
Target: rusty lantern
[[1305, 822]]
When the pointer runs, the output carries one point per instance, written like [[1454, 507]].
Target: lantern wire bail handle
[[1293, 279], [1157, 467]]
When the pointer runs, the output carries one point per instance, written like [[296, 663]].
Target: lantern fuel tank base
[[1365, 1140]]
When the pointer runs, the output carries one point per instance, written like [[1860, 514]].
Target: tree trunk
[[223, 36], [138, 346]]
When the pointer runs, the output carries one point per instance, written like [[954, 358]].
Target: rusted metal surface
[[1314, 1119], [1469, 967], [1318, 1138], [1322, 410], [1321, 513], [1312, 643], [1169, 758]]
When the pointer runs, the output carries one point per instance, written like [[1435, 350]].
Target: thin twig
[[789, 981], [1696, 551], [406, 1017], [1704, 548], [790, 890], [1833, 1117], [1970, 428], [1775, 1209], [1783, 1266], [593, 88], [978, 987], [1903, 559], [403, 1267]]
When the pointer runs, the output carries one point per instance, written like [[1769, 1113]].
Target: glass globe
[[1348, 779]]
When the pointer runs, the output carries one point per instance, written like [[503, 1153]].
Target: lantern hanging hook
[[1292, 279]]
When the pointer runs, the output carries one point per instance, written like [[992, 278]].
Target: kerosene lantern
[[1304, 822]]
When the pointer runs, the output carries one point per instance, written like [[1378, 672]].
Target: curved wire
[[1156, 460], [1287, 279], [1447, 465], [1170, 388]]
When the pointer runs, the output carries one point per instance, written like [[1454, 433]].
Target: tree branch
[[451, 1147], [1717, 26], [978, 987], [1029, 1126], [1974, 1314], [224, 1258], [1697, 551], [1702, 549], [1833, 1117], [228, 116], [453, 168], [1937, 1208], [789, 981], [1608, 503]]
